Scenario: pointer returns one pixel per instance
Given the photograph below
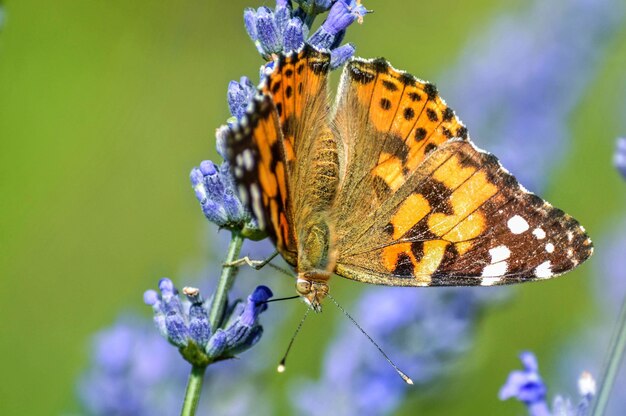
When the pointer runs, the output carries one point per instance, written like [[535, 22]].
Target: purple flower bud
[[239, 95], [527, 386], [620, 156], [340, 55], [341, 15], [167, 288], [243, 338], [294, 36], [282, 15], [177, 332], [260, 295], [217, 344], [215, 190], [151, 297], [199, 327], [267, 32], [249, 21]]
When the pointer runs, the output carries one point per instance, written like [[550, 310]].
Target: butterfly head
[[312, 291]]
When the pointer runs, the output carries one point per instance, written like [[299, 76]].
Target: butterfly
[[385, 186]]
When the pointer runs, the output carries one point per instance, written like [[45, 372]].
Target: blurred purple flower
[[130, 365], [588, 349], [134, 372], [619, 158], [422, 337], [527, 386], [516, 87]]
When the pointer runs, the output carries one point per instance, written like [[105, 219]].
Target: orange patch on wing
[[385, 101], [267, 181], [434, 251], [411, 211], [463, 247], [452, 174], [464, 200], [422, 270], [390, 171], [470, 227]]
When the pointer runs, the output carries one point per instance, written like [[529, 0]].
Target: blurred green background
[[106, 106]]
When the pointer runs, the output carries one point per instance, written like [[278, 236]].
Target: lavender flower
[[285, 30], [215, 190], [620, 156], [518, 85], [527, 386], [133, 371], [422, 337], [239, 96], [189, 329]]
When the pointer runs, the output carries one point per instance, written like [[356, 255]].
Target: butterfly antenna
[[279, 299], [406, 378], [281, 366]]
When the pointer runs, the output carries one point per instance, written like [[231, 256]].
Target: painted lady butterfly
[[386, 187]]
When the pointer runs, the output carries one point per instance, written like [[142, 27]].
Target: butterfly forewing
[[285, 132]]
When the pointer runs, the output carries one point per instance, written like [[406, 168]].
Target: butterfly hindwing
[[461, 219]]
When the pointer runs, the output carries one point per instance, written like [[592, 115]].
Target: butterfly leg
[[255, 264]]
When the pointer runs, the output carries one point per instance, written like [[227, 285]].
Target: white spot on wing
[[490, 281], [517, 224], [248, 160], [495, 270], [539, 233], [257, 208], [243, 194], [550, 248], [499, 253], [544, 270]]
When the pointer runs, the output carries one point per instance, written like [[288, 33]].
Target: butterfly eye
[[303, 287]]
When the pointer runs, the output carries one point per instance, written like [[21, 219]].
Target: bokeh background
[[106, 106]]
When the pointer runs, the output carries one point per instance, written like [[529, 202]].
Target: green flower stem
[[194, 383], [618, 346], [226, 281], [192, 395]]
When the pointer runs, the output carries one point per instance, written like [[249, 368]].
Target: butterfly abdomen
[[324, 175]]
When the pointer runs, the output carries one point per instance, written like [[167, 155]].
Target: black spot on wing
[[420, 134], [380, 65], [390, 86], [431, 90], [404, 267]]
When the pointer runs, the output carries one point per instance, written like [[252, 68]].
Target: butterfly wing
[[255, 150], [443, 213], [281, 128]]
